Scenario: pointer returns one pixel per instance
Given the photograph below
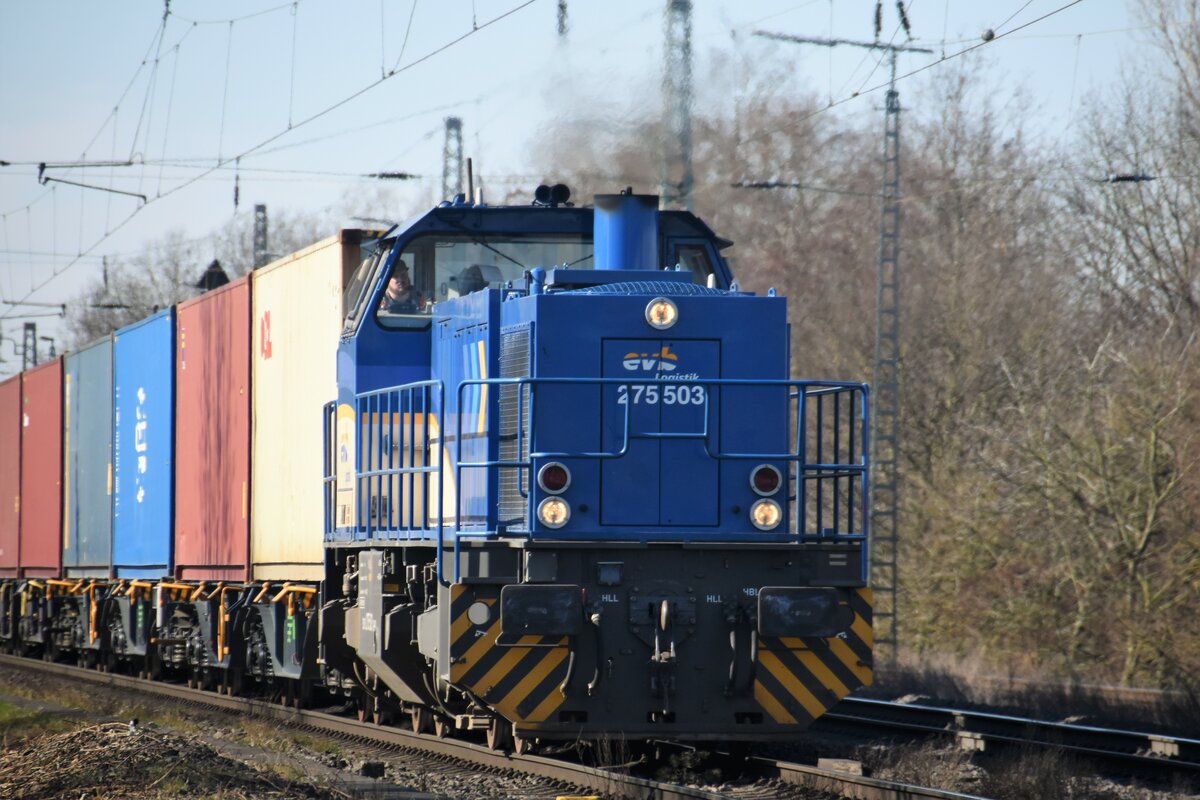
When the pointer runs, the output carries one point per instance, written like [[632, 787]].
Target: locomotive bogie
[[655, 640]]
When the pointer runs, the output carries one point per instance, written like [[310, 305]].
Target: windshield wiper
[[481, 243]]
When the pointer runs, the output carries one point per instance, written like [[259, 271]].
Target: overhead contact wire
[[916, 71], [167, 124], [407, 30], [225, 94], [231, 20], [292, 82], [158, 32], [223, 161]]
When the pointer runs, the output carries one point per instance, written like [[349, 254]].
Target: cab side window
[[408, 297], [695, 257]]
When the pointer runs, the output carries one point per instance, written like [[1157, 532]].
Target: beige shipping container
[[297, 320]]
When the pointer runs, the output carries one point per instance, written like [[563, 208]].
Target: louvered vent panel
[[514, 446]]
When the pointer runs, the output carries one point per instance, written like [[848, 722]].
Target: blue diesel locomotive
[[572, 492]]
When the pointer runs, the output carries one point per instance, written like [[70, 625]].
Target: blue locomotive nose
[[626, 231]]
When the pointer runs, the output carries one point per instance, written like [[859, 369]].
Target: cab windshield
[[434, 268], [373, 254]]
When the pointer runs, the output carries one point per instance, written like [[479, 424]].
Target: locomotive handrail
[[802, 391], [828, 388], [387, 460]]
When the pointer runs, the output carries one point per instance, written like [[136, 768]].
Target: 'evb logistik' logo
[[664, 363]]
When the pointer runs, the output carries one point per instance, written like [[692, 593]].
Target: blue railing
[[397, 478], [400, 434]]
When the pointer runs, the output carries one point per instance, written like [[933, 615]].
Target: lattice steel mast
[[29, 353], [885, 382], [261, 253]]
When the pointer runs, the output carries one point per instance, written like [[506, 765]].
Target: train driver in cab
[[401, 296]]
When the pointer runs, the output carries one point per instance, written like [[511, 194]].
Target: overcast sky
[[108, 81]]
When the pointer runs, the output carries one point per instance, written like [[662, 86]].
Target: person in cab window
[[401, 296]]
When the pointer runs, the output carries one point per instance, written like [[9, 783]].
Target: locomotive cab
[[573, 492]]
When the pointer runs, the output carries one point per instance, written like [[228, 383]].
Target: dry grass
[[1036, 775], [18, 723], [109, 760], [268, 735], [924, 764], [1019, 774]]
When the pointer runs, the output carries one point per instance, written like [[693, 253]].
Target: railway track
[[1128, 695], [773, 778], [976, 730]]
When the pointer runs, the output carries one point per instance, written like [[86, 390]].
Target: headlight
[[554, 512], [661, 313], [765, 514]]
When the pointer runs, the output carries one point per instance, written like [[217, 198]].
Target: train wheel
[[441, 727], [521, 745], [420, 718], [296, 693], [363, 706], [499, 734]]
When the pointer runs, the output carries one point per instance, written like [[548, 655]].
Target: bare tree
[[167, 270]]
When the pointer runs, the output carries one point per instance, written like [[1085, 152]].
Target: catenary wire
[[263, 12], [476, 27], [407, 30], [120, 99], [912, 72], [1014, 14]]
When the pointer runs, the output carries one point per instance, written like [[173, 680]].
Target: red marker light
[[554, 478], [765, 480]]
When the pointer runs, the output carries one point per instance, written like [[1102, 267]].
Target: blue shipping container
[[87, 482], [144, 446]]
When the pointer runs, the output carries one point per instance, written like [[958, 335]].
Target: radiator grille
[[514, 481]]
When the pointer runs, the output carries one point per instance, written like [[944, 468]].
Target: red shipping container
[[212, 435], [10, 476], [41, 471]]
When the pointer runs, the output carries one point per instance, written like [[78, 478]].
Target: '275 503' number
[[672, 395]]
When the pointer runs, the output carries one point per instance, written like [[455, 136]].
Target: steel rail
[[1135, 695], [857, 786], [974, 729], [591, 778]]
